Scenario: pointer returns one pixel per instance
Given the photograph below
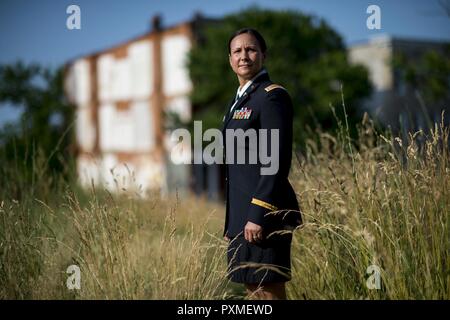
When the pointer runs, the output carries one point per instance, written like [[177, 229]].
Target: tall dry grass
[[126, 248], [377, 201], [385, 203]]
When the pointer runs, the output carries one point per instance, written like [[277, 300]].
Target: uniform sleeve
[[276, 113]]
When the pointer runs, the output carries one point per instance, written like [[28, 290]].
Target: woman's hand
[[253, 232]]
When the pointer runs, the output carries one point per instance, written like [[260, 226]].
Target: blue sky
[[35, 31]]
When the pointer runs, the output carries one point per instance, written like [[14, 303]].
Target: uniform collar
[[252, 85], [240, 92]]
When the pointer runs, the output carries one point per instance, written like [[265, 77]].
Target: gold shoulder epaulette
[[273, 86]]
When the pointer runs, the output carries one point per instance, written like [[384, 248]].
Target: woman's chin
[[247, 75]]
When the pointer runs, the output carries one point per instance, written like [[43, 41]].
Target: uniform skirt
[[263, 262]]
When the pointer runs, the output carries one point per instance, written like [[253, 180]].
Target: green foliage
[[305, 55], [430, 74], [44, 127]]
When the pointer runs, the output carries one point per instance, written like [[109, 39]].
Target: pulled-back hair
[[253, 32]]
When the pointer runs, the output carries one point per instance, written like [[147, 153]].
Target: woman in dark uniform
[[261, 207]]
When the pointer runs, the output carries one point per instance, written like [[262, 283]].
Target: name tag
[[242, 114]]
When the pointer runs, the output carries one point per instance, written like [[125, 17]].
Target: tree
[[430, 74], [426, 82], [46, 120], [305, 55]]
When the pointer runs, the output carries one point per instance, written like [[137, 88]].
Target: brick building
[[122, 95]]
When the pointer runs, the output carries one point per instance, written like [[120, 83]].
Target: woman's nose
[[244, 56]]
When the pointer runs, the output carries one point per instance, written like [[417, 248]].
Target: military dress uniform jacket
[[267, 200]]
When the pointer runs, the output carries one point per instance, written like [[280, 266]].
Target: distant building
[[122, 95], [393, 103]]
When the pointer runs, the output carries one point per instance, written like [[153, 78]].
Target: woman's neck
[[242, 82]]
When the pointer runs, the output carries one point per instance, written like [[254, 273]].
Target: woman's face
[[246, 57]]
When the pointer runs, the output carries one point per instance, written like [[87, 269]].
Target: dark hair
[[253, 32]]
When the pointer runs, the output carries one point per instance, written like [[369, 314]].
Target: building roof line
[[155, 30], [387, 38]]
